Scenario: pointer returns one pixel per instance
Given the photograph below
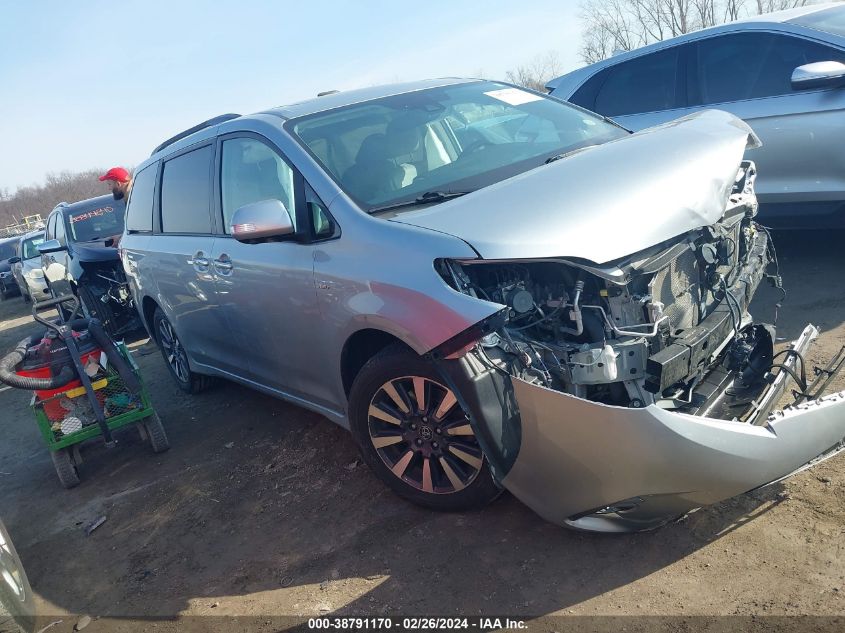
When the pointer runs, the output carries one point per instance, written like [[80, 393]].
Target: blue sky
[[96, 84]]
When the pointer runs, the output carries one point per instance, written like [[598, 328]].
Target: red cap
[[116, 173]]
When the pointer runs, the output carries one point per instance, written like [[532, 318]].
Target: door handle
[[199, 261], [223, 264]]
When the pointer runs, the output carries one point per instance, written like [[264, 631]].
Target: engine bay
[[668, 326]]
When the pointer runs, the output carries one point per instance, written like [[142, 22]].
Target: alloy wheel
[[173, 350], [423, 436]]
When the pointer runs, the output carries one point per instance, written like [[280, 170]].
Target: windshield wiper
[[429, 197], [552, 159]]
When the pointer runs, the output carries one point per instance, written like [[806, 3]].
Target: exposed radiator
[[677, 287]]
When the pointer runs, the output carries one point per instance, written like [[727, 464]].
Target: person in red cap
[[120, 181]]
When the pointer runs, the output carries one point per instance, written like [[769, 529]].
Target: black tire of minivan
[[446, 441], [175, 356]]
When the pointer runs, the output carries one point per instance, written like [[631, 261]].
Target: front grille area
[[677, 287]]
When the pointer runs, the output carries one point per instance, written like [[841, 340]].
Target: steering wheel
[[475, 146]]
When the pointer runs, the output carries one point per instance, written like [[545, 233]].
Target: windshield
[[830, 20], [96, 224], [29, 249], [7, 250], [448, 139]]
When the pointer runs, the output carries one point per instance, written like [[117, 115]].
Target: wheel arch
[[359, 348], [148, 308]]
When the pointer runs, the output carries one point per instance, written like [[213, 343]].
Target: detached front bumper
[[607, 468]]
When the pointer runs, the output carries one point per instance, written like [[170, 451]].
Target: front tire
[[65, 467], [176, 357], [415, 436], [156, 434]]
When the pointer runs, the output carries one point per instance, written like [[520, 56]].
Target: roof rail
[[201, 126]]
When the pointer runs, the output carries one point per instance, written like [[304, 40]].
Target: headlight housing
[[35, 273]]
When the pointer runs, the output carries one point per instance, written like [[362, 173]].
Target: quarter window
[[51, 227], [251, 171], [185, 193], [752, 65], [645, 84], [139, 212], [322, 224], [60, 228]]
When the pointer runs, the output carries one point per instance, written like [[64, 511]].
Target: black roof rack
[[200, 126]]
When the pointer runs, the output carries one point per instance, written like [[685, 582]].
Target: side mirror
[[50, 246], [260, 220], [15, 260], [818, 75]]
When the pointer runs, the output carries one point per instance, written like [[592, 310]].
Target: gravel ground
[[262, 509]]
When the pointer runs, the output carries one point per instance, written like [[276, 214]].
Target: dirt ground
[[262, 509]]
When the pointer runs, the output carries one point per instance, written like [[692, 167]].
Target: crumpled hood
[[607, 201], [98, 250]]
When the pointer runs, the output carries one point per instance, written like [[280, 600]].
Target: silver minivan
[[490, 288]]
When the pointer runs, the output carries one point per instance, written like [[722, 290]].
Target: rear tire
[[176, 357], [414, 435], [156, 434], [65, 467]]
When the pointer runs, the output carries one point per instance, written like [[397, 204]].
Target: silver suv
[[488, 287]]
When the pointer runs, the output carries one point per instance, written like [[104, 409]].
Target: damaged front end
[[104, 289], [618, 397]]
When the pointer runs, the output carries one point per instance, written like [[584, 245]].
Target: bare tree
[[537, 72], [767, 6], [611, 26], [40, 199]]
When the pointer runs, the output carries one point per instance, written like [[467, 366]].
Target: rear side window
[[752, 65], [139, 212], [645, 84], [186, 193]]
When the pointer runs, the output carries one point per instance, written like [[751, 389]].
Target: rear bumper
[[607, 468]]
